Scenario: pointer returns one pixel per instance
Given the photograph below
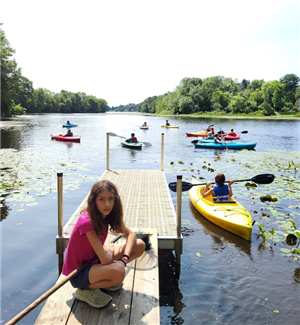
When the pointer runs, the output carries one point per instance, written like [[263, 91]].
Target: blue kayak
[[210, 144], [69, 125]]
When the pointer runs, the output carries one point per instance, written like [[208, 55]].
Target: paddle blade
[[147, 144], [244, 132], [185, 186], [263, 179]]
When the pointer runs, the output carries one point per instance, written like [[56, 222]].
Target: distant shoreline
[[211, 116]]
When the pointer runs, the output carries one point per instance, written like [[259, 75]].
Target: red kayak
[[61, 137], [234, 136]]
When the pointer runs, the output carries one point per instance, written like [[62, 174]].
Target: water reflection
[[11, 138], [297, 275], [219, 235], [170, 294], [4, 210]]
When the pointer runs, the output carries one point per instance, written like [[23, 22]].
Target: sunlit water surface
[[223, 279]]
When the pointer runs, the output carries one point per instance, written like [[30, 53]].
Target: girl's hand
[[122, 262], [110, 255]]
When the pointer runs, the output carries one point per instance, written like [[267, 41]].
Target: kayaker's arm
[[229, 187], [105, 257], [207, 191]]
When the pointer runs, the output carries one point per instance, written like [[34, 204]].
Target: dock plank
[[145, 299]]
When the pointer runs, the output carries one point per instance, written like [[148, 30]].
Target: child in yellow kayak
[[220, 191]]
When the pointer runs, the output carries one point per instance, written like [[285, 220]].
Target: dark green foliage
[[221, 95], [10, 75]]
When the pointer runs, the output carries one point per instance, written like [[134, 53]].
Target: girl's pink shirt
[[79, 249]]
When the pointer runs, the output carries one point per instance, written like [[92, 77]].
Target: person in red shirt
[[103, 211], [133, 138]]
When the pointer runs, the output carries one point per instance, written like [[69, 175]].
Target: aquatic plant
[[294, 167]]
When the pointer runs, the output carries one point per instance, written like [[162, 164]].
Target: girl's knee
[[118, 274], [141, 246]]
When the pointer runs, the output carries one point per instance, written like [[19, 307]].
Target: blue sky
[[125, 51]]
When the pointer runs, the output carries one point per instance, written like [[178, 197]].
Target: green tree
[[149, 105], [201, 99], [220, 100], [230, 86], [267, 109], [237, 104], [185, 105], [95, 105], [256, 84], [24, 96], [10, 75], [18, 109], [254, 101], [43, 101], [290, 82], [244, 84], [273, 93]]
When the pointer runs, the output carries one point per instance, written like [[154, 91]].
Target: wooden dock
[[148, 208]]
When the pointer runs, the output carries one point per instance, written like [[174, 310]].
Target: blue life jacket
[[221, 193]]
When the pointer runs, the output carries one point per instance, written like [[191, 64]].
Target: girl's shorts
[[81, 280]]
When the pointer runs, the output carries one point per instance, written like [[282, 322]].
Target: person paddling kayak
[[132, 139], [69, 133], [220, 191]]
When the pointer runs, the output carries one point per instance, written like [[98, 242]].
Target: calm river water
[[223, 279]]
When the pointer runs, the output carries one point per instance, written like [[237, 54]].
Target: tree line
[[18, 96], [216, 95], [219, 95]]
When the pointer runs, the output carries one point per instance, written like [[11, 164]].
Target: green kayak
[[131, 145]]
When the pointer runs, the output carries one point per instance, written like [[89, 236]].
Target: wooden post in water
[[107, 150], [59, 251], [178, 219], [162, 152]]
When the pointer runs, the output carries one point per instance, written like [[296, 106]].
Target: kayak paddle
[[196, 141], [120, 136], [224, 133], [258, 179]]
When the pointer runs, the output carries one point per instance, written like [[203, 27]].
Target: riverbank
[[248, 117]]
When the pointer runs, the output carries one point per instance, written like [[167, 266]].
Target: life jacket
[[221, 193]]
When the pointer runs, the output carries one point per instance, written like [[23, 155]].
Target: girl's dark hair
[[220, 179], [115, 218]]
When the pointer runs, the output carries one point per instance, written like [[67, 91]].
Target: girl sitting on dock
[[107, 271]]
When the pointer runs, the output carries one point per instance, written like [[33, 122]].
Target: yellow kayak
[[230, 215], [170, 126]]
